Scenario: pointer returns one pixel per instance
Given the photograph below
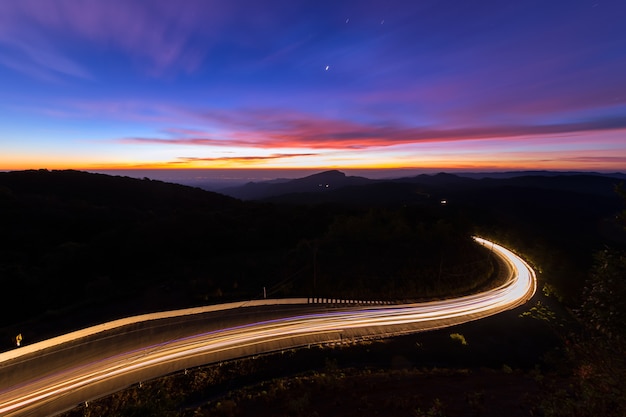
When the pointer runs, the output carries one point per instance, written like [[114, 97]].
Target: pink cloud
[[254, 158], [287, 129]]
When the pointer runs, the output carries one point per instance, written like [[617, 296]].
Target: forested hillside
[[80, 248]]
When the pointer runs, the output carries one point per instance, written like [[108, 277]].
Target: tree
[[604, 300]]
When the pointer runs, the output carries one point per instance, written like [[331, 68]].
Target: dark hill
[[374, 194], [79, 248], [557, 220], [513, 174], [449, 186], [441, 179], [336, 187], [316, 183], [100, 189]]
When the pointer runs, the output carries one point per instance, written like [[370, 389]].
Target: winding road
[[55, 375]]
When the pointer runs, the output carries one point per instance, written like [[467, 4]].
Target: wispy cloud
[[33, 55], [282, 129], [602, 159], [162, 34], [244, 159]]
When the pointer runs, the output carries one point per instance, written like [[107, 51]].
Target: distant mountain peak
[[333, 173], [316, 183]]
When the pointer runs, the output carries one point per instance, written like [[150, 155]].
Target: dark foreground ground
[[82, 248], [493, 367]]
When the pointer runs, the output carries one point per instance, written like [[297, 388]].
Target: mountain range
[[336, 186]]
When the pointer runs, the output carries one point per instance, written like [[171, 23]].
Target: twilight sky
[[478, 85]]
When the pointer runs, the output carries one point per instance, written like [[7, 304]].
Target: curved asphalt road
[[49, 377]]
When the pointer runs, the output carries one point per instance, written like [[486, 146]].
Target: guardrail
[[89, 331], [323, 300]]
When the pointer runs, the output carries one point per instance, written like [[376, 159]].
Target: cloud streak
[[280, 130], [243, 159], [164, 35]]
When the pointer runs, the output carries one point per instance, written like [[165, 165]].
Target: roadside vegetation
[[80, 249]]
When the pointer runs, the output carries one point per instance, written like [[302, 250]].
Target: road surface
[[52, 376]]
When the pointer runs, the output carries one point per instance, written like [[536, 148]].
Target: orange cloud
[[241, 159]]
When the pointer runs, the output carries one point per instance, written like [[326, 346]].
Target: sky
[[246, 84]]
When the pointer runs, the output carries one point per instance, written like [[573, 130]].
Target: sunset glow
[[252, 85]]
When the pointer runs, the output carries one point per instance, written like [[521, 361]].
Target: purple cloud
[[283, 129], [255, 158]]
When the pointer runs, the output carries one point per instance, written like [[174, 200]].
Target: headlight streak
[[421, 316]]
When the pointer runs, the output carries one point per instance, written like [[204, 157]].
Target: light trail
[[258, 336]]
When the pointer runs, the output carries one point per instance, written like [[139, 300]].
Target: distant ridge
[[316, 183], [542, 173], [336, 186], [439, 179]]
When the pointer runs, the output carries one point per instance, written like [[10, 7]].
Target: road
[[52, 376]]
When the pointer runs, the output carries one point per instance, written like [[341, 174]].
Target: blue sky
[[449, 84]]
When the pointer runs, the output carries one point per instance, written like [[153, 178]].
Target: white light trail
[[419, 316]]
